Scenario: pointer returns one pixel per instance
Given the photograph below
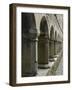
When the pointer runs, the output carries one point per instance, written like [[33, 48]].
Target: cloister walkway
[[57, 62]]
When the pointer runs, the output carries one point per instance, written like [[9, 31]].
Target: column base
[[43, 66], [29, 74], [51, 60], [56, 55]]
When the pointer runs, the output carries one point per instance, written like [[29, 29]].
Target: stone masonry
[[42, 41]]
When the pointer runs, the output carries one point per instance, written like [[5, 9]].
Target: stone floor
[[59, 70], [52, 65]]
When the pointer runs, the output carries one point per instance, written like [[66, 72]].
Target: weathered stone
[[29, 40], [43, 44], [43, 52]]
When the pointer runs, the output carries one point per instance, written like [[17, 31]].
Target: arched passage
[[43, 44], [51, 43]]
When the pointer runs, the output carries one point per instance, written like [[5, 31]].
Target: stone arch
[[43, 44], [51, 44], [29, 34], [44, 26]]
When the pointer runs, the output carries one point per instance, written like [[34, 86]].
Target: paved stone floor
[[60, 68], [44, 72]]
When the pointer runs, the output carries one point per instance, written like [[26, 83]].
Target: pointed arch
[[44, 27]]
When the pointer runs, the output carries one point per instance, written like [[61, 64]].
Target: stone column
[[29, 60], [51, 48], [43, 51], [58, 46], [29, 45], [61, 45], [48, 48], [55, 47]]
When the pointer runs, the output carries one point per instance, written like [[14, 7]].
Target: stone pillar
[[48, 48], [43, 51], [61, 45], [29, 60], [51, 48], [58, 46], [29, 45], [55, 47]]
